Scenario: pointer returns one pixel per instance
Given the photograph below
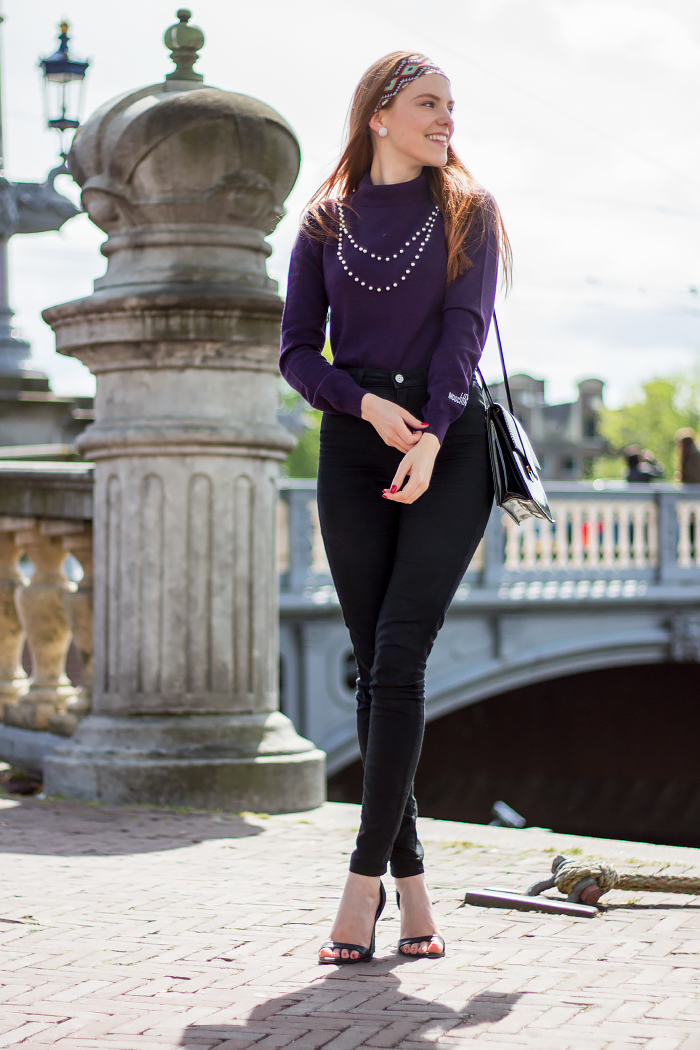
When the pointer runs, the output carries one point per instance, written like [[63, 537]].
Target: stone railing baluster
[[652, 534], [685, 552], [577, 551], [590, 536], [513, 543], [40, 606], [696, 533], [13, 678], [492, 571], [477, 562], [282, 551], [561, 518], [529, 548], [546, 544], [623, 536], [639, 547], [608, 540], [319, 560], [77, 606]]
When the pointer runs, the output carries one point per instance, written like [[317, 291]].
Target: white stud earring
[[383, 132]]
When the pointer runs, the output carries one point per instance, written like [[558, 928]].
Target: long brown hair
[[466, 207]]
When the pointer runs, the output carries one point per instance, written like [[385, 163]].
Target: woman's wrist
[[432, 440], [365, 404]]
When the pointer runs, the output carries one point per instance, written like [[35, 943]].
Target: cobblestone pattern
[[131, 929]]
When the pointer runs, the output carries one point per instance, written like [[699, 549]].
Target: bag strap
[[506, 384]]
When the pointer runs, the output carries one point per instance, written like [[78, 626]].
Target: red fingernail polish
[[393, 488], [384, 495]]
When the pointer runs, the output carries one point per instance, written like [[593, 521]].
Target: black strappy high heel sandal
[[403, 941], [364, 953]]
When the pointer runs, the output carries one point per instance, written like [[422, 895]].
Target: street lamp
[[64, 77], [36, 207]]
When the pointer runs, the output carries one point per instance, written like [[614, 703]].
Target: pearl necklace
[[344, 232]]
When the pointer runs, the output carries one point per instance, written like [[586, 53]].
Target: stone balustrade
[[45, 515], [608, 534], [607, 541]]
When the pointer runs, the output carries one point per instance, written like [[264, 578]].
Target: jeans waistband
[[382, 377]]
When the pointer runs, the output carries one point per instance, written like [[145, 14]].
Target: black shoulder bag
[[517, 487]]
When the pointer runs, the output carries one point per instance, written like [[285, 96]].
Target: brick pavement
[[126, 929]]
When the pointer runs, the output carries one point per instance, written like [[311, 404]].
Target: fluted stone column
[[182, 334]]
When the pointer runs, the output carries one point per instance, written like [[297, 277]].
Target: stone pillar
[[182, 334]]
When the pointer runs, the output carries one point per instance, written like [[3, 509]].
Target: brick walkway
[[136, 928]]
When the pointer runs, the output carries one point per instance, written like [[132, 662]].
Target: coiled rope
[[570, 872]]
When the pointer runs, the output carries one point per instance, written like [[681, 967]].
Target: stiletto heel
[[363, 953], [403, 941]]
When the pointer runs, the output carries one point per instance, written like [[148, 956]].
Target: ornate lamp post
[[64, 77], [35, 207]]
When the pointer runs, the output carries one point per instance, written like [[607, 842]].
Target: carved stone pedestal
[[243, 762]]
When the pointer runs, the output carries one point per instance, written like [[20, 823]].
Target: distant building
[[565, 437]]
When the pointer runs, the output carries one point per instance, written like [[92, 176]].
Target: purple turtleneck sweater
[[419, 323]]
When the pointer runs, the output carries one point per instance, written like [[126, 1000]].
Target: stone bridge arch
[[481, 652]]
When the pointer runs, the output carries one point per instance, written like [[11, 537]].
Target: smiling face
[[419, 122]]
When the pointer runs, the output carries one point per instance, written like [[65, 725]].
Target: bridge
[[613, 583]]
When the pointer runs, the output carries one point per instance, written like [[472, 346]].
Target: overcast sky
[[582, 117]]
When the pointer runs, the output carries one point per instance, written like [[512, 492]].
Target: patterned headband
[[407, 70]]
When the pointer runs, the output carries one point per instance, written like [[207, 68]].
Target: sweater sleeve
[[304, 335], [466, 316]]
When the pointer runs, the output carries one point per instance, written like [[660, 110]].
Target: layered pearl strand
[[345, 232]]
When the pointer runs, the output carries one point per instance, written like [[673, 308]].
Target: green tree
[[669, 403], [302, 461]]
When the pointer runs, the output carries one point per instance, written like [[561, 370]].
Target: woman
[[403, 246]]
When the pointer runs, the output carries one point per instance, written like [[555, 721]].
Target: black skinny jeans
[[396, 568]]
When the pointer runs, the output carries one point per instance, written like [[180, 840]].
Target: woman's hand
[[389, 420], [418, 465]]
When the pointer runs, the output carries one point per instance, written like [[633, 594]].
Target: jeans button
[[398, 377]]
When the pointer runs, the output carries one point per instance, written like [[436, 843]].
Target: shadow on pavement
[[53, 827], [320, 1008]]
